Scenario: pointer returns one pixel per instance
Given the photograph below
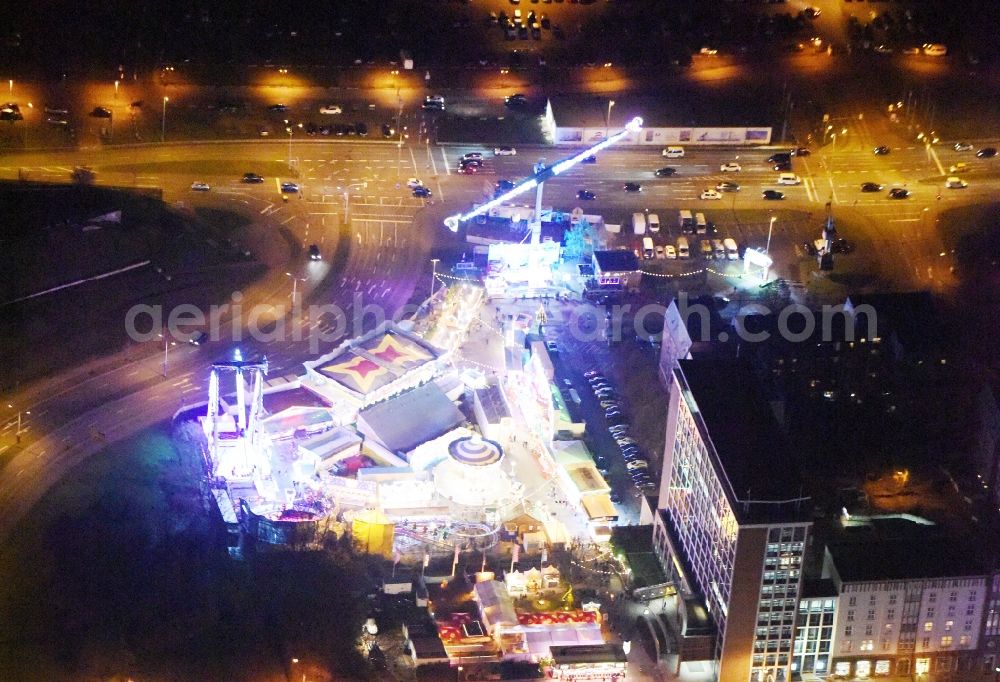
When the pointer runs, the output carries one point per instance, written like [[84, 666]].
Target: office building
[[732, 522]]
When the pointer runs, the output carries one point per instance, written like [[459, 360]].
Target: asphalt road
[[380, 253], [385, 246]]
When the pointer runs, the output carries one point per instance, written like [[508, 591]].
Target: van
[[705, 247], [701, 225], [686, 222], [647, 248], [638, 223], [674, 152], [682, 248], [653, 221], [788, 179], [732, 253], [718, 249]]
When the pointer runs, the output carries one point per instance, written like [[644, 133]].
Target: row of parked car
[[635, 461]]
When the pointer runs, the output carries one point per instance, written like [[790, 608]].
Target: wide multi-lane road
[[353, 203]]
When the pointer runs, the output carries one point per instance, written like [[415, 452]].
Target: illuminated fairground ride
[[527, 268], [235, 439]]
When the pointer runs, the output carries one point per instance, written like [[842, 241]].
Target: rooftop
[[897, 549], [588, 653], [403, 422], [764, 484], [619, 260], [492, 402]]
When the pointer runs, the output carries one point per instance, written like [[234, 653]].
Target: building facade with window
[[901, 613], [732, 524]]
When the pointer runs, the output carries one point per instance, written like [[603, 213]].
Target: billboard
[[756, 135]]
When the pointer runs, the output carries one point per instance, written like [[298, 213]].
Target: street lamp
[[116, 89], [295, 285], [167, 343], [17, 433], [434, 262], [767, 249], [607, 120], [163, 125]]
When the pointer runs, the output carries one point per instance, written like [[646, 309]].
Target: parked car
[[871, 187], [711, 195], [637, 464], [728, 186], [670, 252], [413, 183], [962, 147], [881, 150], [289, 187], [586, 195], [986, 153], [730, 167], [590, 159], [422, 192], [899, 193], [331, 109], [504, 151]]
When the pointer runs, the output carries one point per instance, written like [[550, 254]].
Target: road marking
[[903, 220], [4, 449], [445, 161], [288, 220]]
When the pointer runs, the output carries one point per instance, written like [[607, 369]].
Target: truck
[[648, 250], [638, 223], [685, 221]]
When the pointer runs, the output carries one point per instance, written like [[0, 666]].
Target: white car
[[670, 252], [789, 179], [413, 183], [711, 195], [200, 186], [731, 167], [331, 109], [504, 151]]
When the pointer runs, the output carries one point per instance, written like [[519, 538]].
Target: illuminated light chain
[[691, 274], [591, 569], [479, 364]]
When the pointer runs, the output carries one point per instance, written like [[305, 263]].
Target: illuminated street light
[[116, 89], [767, 249], [295, 285], [163, 125], [434, 262], [607, 120]]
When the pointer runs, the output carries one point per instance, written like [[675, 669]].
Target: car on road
[[665, 172], [289, 187], [253, 178], [434, 102], [780, 157], [881, 150], [387, 131], [911, 50], [711, 195], [590, 159], [278, 107], [198, 338], [899, 193], [670, 252], [361, 129], [636, 464], [100, 112], [935, 49], [468, 169], [841, 245], [871, 187], [552, 346], [632, 187], [504, 151], [789, 179], [812, 12], [730, 167], [586, 195], [200, 186], [516, 100], [958, 168], [331, 109], [592, 373], [472, 156], [314, 253], [422, 192], [986, 153], [413, 183], [955, 182], [728, 186], [504, 185], [772, 195], [962, 147]]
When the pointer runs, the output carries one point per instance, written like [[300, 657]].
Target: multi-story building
[[732, 523], [814, 628], [910, 605]]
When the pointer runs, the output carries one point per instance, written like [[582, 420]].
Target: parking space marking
[[445, 158]]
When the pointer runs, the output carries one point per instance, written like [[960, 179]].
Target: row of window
[[931, 598], [945, 642]]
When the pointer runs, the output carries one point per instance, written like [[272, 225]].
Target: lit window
[[842, 668], [964, 640], [946, 641], [867, 645], [928, 626], [882, 667], [923, 666], [948, 625], [863, 668]]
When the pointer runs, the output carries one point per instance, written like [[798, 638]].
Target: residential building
[[732, 523]]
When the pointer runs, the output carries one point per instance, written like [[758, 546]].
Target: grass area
[[204, 167], [122, 572]]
